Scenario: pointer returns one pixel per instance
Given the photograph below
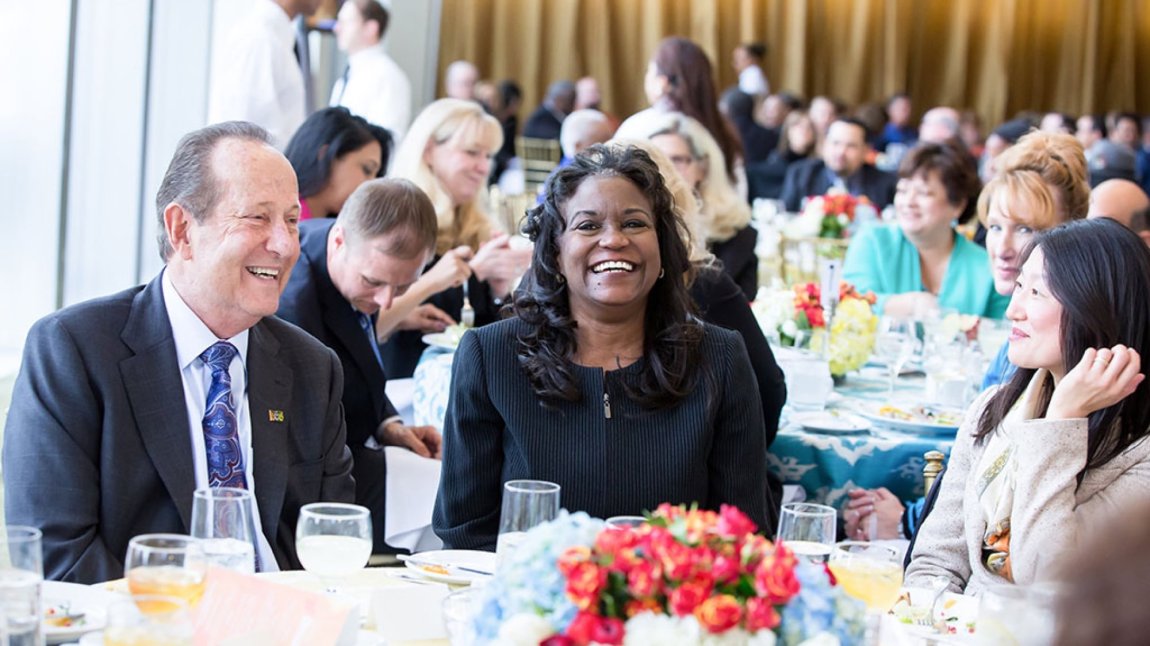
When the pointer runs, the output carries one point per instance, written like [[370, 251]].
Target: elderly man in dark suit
[[126, 404], [843, 166], [547, 120], [348, 271]]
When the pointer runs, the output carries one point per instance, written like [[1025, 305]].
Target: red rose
[[572, 557], [584, 583], [608, 631], [719, 613], [643, 579], [726, 569], [761, 615], [684, 599], [611, 540], [776, 580], [734, 523], [583, 627]]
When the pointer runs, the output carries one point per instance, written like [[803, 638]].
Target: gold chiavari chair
[[538, 158]]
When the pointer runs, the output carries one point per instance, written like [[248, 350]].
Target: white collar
[[190, 334]]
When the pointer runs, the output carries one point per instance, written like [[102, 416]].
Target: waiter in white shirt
[[257, 75], [373, 85]]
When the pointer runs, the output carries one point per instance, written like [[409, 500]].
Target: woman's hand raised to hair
[[1102, 378], [498, 263], [450, 271]]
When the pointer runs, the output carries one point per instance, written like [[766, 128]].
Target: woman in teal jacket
[[919, 262]]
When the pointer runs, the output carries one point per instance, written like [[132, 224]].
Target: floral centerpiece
[[685, 577], [831, 216], [795, 316]]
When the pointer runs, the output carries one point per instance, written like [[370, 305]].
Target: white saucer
[[832, 422]]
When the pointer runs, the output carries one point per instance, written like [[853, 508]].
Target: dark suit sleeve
[[740, 261], [737, 464], [51, 457], [337, 485], [470, 491], [793, 191]]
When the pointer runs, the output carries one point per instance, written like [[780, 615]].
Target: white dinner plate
[[445, 340], [921, 420], [833, 422], [74, 598], [452, 561]]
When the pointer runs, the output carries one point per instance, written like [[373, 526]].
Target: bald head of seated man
[[1124, 201]]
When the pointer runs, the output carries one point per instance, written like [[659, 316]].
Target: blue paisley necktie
[[221, 432]]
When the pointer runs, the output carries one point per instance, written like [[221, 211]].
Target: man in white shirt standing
[[257, 75], [373, 86], [747, 59]]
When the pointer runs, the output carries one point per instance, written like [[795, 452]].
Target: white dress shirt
[[257, 77], [377, 89], [192, 337], [752, 81]]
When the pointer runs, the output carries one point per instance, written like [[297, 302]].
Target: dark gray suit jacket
[[97, 447], [809, 177]]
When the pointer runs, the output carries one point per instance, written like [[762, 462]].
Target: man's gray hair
[[575, 127], [190, 181]]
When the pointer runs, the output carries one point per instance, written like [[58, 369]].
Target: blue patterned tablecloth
[[432, 387], [827, 466]]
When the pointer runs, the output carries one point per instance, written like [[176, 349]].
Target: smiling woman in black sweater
[[604, 381]]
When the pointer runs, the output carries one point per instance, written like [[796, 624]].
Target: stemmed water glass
[[895, 345], [222, 520], [333, 540]]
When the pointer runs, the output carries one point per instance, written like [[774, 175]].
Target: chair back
[[538, 158], [933, 467]]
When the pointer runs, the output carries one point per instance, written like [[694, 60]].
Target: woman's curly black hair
[[672, 334]]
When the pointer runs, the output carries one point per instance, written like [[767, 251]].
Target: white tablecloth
[[411, 483]]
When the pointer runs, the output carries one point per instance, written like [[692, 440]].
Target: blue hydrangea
[[821, 607], [529, 580]]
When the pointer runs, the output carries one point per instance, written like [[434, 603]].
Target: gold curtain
[[996, 57]]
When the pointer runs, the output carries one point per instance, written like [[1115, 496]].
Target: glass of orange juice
[[868, 572], [171, 565], [166, 622]]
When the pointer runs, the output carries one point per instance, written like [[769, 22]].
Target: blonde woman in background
[[447, 152], [723, 218]]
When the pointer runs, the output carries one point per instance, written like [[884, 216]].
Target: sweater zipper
[[606, 403]]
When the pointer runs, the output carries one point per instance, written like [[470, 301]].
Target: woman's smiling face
[[609, 249]]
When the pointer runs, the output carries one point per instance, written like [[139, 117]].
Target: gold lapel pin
[[275, 415]]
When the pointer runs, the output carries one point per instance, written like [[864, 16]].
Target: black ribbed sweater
[[496, 430]]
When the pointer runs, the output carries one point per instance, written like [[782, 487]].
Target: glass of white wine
[[808, 530], [170, 565], [222, 520], [333, 540]]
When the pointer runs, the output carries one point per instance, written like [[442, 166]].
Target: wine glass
[[626, 522], [526, 503], [870, 573], [333, 540], [807, 529], [148, 619], [895, 345], [222, 520], [170, 565]]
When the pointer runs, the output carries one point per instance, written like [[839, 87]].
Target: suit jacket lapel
[[156, 394], [269, 391], [343, 321]]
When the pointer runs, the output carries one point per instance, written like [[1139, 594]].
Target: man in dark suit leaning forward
[[126, 404], [348, 271], [843, 166]]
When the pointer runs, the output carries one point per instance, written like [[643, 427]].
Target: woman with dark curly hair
[[603, 381]]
